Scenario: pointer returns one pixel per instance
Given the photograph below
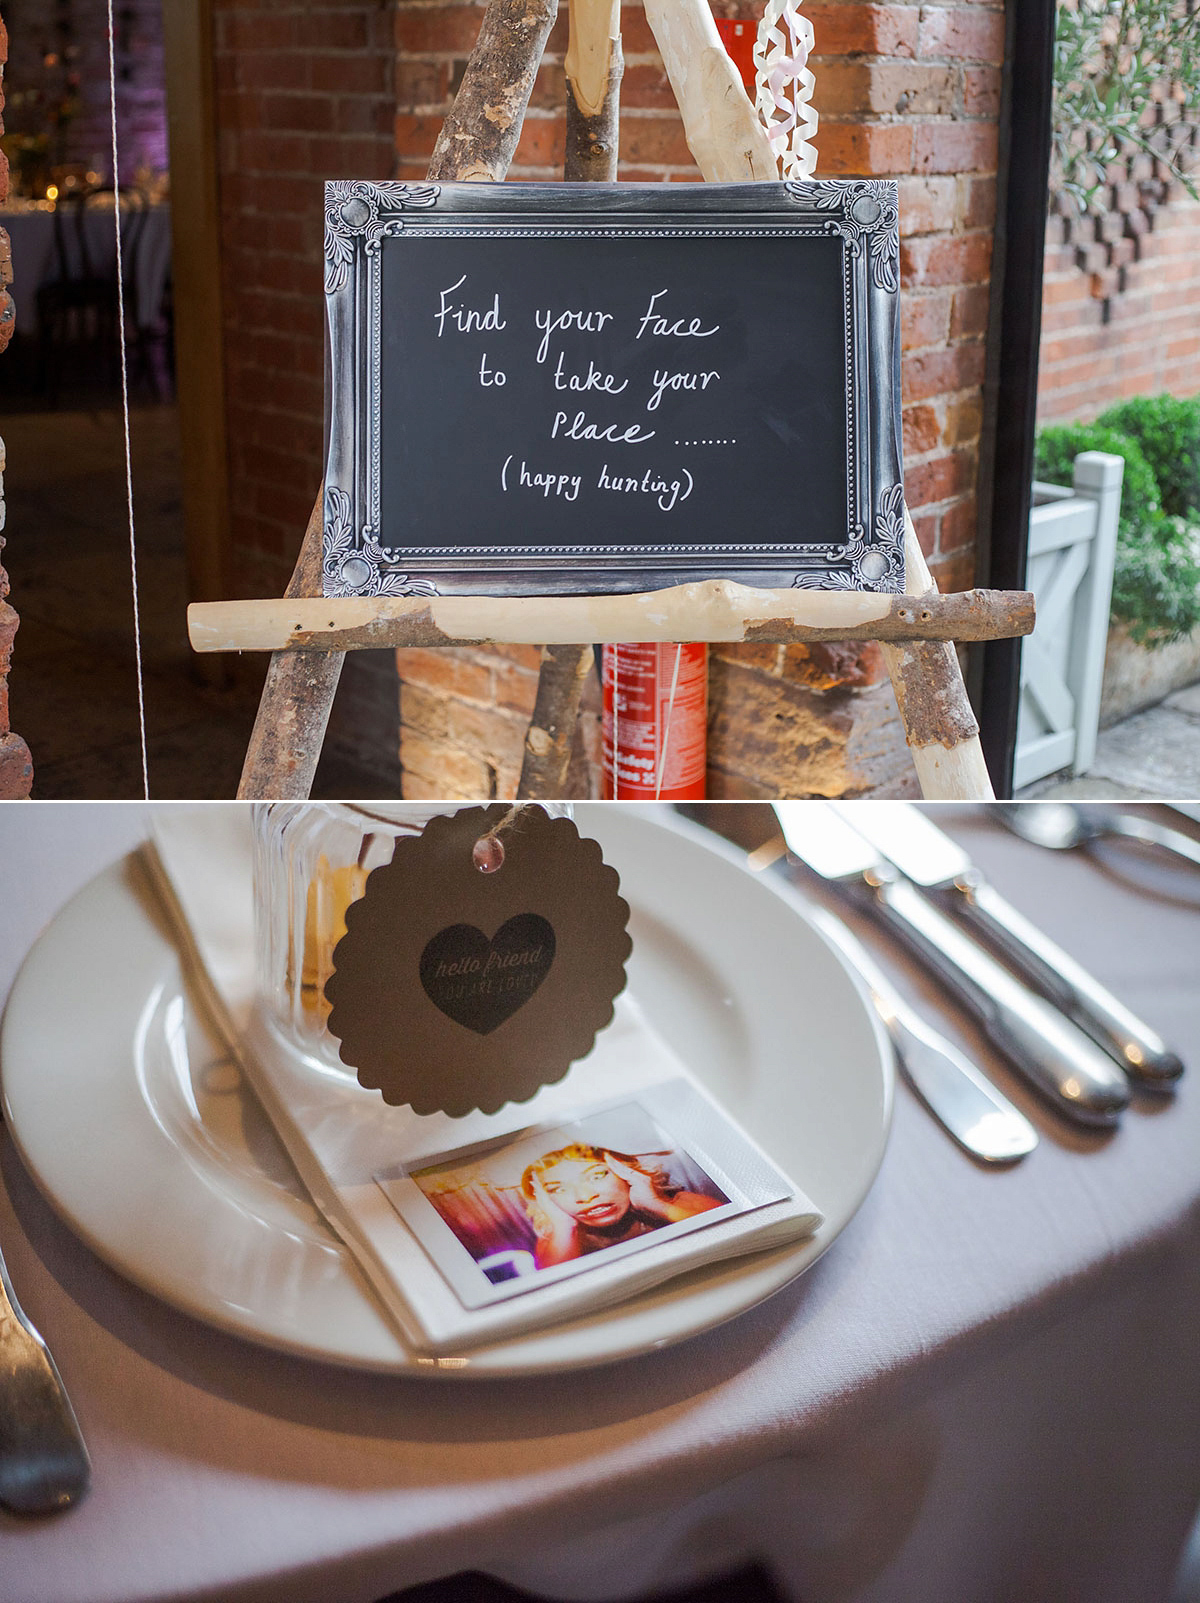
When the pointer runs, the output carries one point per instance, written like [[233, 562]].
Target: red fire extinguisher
[[655, 717], [738, 39]]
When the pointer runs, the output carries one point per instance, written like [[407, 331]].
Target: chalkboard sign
[[600, 388]]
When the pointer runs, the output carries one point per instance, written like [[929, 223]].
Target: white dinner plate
[[143, 1135]]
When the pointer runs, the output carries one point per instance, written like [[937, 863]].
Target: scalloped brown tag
[[479, 963]]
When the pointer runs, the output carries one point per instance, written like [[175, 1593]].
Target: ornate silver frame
[[360, 216]]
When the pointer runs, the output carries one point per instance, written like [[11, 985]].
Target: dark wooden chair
[[81, 310]]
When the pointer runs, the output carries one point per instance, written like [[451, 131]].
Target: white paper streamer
[[784, 86]]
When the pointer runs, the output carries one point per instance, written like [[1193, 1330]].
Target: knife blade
[[914, 844], [956, 1093], [1046, 1048], [962, 1099]]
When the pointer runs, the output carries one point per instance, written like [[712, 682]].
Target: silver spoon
[[44, 1466], [1061, 826]]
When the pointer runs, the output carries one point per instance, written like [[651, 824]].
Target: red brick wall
[[910, 92], [16, 768], [304, 94], [904, 90], [1121, 305], [356, 89]]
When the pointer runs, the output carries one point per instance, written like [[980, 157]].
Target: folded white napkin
[[341, 1136]]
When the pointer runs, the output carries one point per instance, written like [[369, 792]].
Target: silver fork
[[44, 1466]]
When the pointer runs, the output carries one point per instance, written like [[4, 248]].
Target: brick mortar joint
[[938, 453], [916, 119], [882, 58]]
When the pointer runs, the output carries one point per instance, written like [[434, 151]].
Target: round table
[[988, 1389], [30, 228]]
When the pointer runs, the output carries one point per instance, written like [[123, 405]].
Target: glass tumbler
[[311, 860]]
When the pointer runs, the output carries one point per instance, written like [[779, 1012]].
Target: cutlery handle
[[1140, 1051], [44, 1466], [1052, 1054], [1151, 834], [962, 1099]]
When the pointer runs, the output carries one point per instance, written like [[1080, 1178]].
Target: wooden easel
[[308, 637]]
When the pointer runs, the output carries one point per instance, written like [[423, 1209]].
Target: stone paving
[[1154, 755]]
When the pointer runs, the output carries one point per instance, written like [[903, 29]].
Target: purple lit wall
[[57, 81]]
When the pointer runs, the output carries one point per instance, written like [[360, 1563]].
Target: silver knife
[[918, 848], [1053, 1055], [963, 1101]]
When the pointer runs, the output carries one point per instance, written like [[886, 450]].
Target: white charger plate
[[142, 1133]]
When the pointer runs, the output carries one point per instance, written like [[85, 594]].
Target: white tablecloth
[[988, 1390], [35, 263]]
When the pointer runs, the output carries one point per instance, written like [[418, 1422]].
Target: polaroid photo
[[540, 1204]]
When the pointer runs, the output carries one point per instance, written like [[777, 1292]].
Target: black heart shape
[[480, 983]]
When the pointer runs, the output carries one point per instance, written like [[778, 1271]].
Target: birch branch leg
[[594, 67], [293, 712], [940, 727], [477, 141], [722, 127], [479, 136], [552, 728]]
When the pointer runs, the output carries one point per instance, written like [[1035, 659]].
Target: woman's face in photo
[[588, 1190]]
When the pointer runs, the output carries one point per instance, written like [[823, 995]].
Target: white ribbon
[[784, 85]]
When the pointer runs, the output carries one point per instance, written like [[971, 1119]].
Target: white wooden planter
[[1072, 548], [1137, 677]]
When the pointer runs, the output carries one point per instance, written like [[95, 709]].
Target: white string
[[662, 761], [137, 621]]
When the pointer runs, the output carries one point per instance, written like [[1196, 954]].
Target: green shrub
[[1168, 431], [1156, 582], [1054, 461]]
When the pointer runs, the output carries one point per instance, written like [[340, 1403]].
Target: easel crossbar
[[714, 610]]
